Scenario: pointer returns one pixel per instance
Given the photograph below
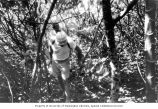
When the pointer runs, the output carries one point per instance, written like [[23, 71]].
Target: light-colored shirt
[[62, 53]]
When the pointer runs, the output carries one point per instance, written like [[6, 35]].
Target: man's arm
[[79, 53]]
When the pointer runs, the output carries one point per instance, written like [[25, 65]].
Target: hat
[[61, 38]]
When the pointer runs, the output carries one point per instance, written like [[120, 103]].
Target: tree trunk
[[150, 49], [109, 31], [37, 64]]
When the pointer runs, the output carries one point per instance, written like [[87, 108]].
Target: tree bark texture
[[150, 50]]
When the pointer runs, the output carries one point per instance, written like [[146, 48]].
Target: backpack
[[69, 46]]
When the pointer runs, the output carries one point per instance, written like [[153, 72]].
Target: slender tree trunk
[[109, 31], [150, 49], [110, 22], [9, 86], [37, 64]]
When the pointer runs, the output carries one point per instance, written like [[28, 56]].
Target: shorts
[[60, 68]]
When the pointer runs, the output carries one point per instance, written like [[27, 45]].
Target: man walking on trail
[[61, 46]]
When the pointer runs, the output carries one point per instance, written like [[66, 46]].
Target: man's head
[[61, 39], [56, 27]]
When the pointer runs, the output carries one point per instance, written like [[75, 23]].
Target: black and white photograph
[[78, 53]]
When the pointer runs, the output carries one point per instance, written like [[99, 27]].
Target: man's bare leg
[[61, 82], [67, 91], [65, 87]]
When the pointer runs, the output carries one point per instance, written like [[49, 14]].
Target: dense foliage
[[21, 24]]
